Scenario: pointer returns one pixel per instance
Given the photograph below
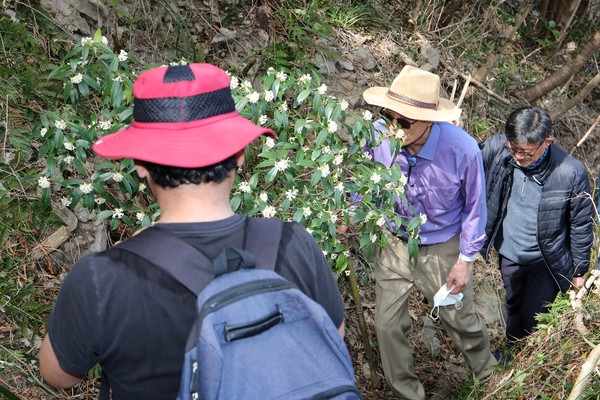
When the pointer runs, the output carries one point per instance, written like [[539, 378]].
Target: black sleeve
[[73, 324], [301, 261]]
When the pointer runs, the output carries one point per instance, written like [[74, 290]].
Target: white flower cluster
[[270, 142], [68, 159], [262, 120], [332, 127], [65, 201], [269, 95], [104, 40], [234, 82], [247, 86], [87, 41], [105, 125], [322, 89], [117, 177], [367, 116], [325, 171], [269, 212], [264, 196], [43, 132], [281, 76], [245, 187], [118, 213], [305, 78], [423, 218], [86, 188], [76, 78], [337, 160], [375, 177], [69, 146], [122, 55], [142, 187], [99, 200], [140, 216], [291, 194], [306, 211], [43, 182], [253, 97], [344, 105], [60, 124], [282, 165]]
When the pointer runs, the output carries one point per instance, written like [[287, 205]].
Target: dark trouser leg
[[529, 289]]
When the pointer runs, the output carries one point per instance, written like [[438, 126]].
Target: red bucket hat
[[183, 116]]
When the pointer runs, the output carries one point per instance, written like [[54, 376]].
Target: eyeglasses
[[404, 123], [522, 154]]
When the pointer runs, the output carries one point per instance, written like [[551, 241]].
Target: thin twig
[[589, 131], [476, 83], [464, 91]]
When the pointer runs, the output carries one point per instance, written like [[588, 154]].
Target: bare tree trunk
[[559, 77], [449, 12], [508, 33], [565, 29], [566, 106]]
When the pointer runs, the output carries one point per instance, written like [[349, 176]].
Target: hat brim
[[185, 144], [445, 112]]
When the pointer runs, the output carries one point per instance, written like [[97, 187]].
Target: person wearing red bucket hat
[[132, 318], [444, 184]]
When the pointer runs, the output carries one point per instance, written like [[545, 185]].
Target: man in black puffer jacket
[[540, 216]]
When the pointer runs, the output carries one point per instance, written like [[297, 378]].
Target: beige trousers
[[396, 277]]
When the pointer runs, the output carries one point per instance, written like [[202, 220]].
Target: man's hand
[[459, 275], [578, 281]]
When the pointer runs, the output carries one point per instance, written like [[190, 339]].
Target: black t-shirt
[[117, 309]]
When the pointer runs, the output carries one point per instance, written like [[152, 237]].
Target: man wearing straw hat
[[116, 309], [444, 175]]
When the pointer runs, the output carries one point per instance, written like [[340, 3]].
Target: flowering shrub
[[307, 175]]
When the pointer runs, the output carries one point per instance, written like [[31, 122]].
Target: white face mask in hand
[[444, 298]]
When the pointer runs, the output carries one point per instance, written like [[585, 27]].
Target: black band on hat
[[178, 73], [184, 109]]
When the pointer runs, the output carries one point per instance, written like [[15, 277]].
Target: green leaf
[[84, 89], [413, 248], [364, 240], [235, 203], [45, 198], [414, 223], [321, 137], [7, 394], [114, 223], [316, 177], [270, 175], [303, 95], [67, 91], [98, 35], [51, 165], [79, 166], [103, 214], [89, 201]]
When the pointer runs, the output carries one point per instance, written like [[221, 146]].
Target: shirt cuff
[[468, 258]]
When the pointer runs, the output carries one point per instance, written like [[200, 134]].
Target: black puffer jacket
[[566, 211]]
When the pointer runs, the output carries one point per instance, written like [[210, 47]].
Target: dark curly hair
[[166, 176]]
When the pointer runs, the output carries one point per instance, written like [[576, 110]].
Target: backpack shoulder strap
[[263, 236], [173, 255]]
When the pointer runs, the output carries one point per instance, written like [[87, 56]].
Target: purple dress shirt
[[446, 184]]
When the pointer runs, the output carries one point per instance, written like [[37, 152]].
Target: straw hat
[[415, 94], [183, 116]]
